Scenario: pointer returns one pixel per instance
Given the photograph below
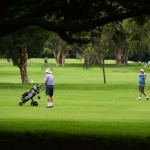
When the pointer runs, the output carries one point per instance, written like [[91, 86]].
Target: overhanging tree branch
[[72, 40], [10, 25]]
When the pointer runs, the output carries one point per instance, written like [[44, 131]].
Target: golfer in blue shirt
[[142, 78]]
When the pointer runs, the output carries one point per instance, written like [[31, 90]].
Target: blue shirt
[[141, 79]]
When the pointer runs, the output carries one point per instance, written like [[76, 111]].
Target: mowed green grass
[[83, 105]]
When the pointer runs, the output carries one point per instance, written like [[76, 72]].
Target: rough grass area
[[87, 114]]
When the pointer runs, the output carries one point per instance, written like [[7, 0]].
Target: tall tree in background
[[97, 50], [139, 38], [120, 46], [59, 48], [21, 45]]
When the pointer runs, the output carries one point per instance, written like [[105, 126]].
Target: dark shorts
[[49, 90], [141, 87]]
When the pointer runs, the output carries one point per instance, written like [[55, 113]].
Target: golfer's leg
[[143, 90], [144, 93], [140, 91], [48, 100], [51, 99], [140, 94], [51, 96]]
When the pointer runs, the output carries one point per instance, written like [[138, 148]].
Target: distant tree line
[[123, 40]]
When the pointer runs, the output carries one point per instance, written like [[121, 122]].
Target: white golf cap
[[141, 70], [48, 70]]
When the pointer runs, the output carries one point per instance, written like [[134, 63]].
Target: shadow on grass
[[72, 86], [57, 141], [73, 65], [133, 67], [82, 64]]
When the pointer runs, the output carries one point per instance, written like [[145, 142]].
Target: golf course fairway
[[87, 113]]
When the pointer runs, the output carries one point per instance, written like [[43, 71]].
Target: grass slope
[[87, 114]]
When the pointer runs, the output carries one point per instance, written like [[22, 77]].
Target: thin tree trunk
[[104, 76]]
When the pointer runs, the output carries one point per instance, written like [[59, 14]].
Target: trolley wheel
[[20, 103], [34, 103], [31, 103]]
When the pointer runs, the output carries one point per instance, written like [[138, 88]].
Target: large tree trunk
[[121, 56], [24, 74], [60, 58], [23, 66]]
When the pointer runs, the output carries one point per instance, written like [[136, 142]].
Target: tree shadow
[[57, 141]]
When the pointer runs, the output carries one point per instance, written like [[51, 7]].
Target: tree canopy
[[66, 17], [21, 45]]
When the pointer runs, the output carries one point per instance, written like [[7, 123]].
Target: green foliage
[[55, 43], [31, 38], [139, 21], [47, 51], [69, 18], [138, 37], [99, 46]]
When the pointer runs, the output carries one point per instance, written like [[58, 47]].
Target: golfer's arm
[[45, 82], [144, 77]]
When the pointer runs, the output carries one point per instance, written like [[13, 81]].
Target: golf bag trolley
[[30, 94]]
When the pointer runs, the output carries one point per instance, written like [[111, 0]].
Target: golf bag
[[30, 94]]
